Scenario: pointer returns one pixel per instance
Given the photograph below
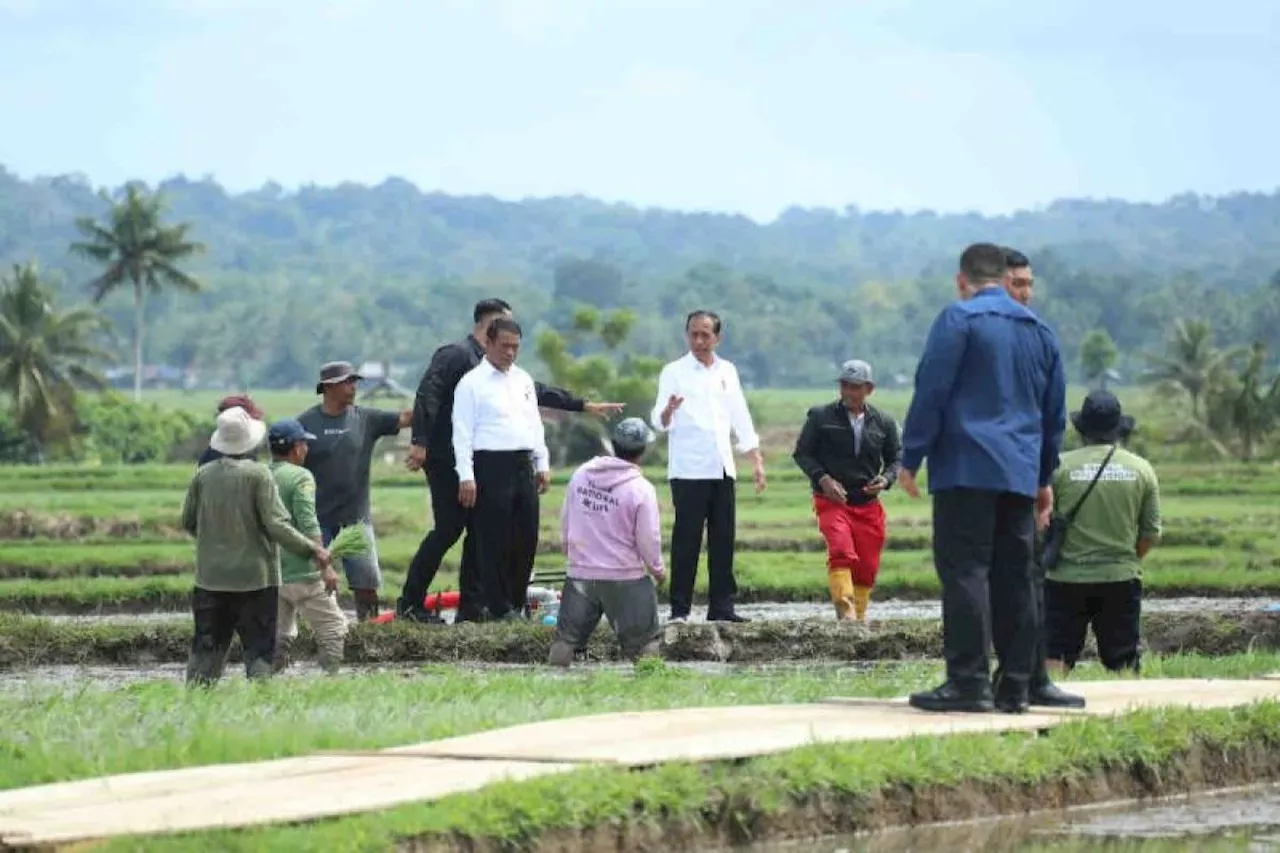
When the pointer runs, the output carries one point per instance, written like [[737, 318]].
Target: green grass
[[56, 734]]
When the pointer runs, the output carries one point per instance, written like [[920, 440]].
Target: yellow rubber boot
[[842, 592], [861, 599]]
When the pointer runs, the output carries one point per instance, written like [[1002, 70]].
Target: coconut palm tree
[[45, 355], [1190, 362], [136, 248]]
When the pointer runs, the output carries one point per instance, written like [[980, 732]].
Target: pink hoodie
[[609, 522]]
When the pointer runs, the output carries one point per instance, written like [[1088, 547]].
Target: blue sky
[[738, 105]]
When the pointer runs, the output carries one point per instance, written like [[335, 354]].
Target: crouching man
[[305, 590], [613, 545], [233, 510], [1097, 581]]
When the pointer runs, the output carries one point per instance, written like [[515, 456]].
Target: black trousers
[[983, 548], [504, 525], [220, 615], [449, 519], [699, 503], [1113, 610]]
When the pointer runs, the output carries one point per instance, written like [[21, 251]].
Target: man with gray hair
[[989, 413], [612, 539], [850, 452]]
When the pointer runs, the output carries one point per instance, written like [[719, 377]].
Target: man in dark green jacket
[[851, 453], [233, 509]]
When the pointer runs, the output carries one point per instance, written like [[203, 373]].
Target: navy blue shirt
[[989, 409]]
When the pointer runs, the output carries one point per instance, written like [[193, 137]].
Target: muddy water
[[777, 612], [1241, 820]]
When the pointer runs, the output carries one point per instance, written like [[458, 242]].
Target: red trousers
[[855, 537]]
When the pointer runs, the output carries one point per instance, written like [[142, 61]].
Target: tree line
[[602, 326]]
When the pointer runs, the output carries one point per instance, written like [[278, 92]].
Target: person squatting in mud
[[851, 453], [304, 590], [612, 538], [340, 458], [233, 509]]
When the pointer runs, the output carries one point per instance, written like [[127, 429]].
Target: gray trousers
[[631, 606]]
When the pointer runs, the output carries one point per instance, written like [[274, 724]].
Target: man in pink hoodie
[[613, 545]]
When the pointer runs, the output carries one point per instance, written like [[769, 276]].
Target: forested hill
[[360, 272]]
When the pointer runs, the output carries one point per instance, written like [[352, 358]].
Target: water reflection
[[1235, 821]]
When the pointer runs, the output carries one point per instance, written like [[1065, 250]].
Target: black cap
[[1101, 417]]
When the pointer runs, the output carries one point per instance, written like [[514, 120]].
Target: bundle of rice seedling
[[350, 541]]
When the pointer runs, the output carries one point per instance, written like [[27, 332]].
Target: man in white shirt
[[500, 449], [700, 401]]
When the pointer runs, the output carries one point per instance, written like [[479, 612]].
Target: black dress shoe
[[421, 615], [1049, 695], [727, 617], [949, 697]]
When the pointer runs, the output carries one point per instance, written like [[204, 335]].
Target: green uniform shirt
[[233, 509], [297, 488], [1101, 545]]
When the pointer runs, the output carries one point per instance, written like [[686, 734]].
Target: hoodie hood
[[609, 472]]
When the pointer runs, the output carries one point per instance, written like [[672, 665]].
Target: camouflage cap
[[632, 435]]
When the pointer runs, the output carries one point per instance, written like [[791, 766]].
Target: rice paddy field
[[95, 576]]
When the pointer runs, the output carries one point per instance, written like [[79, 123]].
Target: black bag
[[1056, 534]]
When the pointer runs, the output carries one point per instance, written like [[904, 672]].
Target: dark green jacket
[[233, 509], [826, 446]]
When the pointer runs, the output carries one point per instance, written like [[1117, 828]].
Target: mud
[[1194, 822], [812, 819], [26, 642]]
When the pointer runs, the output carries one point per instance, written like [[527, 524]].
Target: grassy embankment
[[55, 734]]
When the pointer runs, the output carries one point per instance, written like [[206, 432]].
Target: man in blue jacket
[[989, 413]]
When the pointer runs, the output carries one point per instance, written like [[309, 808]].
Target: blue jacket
[[989, 409]]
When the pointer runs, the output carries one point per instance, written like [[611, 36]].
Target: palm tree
[[135, 246], [1190, 362], [44, 355]]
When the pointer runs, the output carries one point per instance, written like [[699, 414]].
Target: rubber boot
[[861, 599], [366, 604], [842, 591]]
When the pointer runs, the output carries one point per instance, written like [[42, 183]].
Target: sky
[[748, 106]]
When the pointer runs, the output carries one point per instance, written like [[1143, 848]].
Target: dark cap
[[335, 373], [285, 433], [631, 435], [1101, 417]]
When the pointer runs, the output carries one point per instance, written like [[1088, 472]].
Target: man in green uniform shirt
[[233, 510], [304, 589], [1098, 579]]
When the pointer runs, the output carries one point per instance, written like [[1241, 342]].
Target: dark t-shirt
[[340, 459]]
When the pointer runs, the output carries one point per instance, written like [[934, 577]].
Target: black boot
[[1046, 694], [367, 606], [1012, 696], [951, 697]]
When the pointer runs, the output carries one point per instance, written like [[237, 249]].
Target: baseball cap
[[334, 372], [632, 435], [855, 372], [284, 433]]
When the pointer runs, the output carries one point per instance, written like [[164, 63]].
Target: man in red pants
[[851, 452]]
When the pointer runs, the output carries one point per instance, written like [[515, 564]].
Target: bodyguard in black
[[433, 450]]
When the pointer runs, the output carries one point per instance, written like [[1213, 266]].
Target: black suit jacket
[[826, 446], [433, 404]]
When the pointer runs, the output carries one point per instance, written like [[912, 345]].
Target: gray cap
[[335, 372], [632, 435], [855, 372]]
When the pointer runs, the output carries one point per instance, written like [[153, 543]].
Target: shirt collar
[[475, 345], [693, 361]]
